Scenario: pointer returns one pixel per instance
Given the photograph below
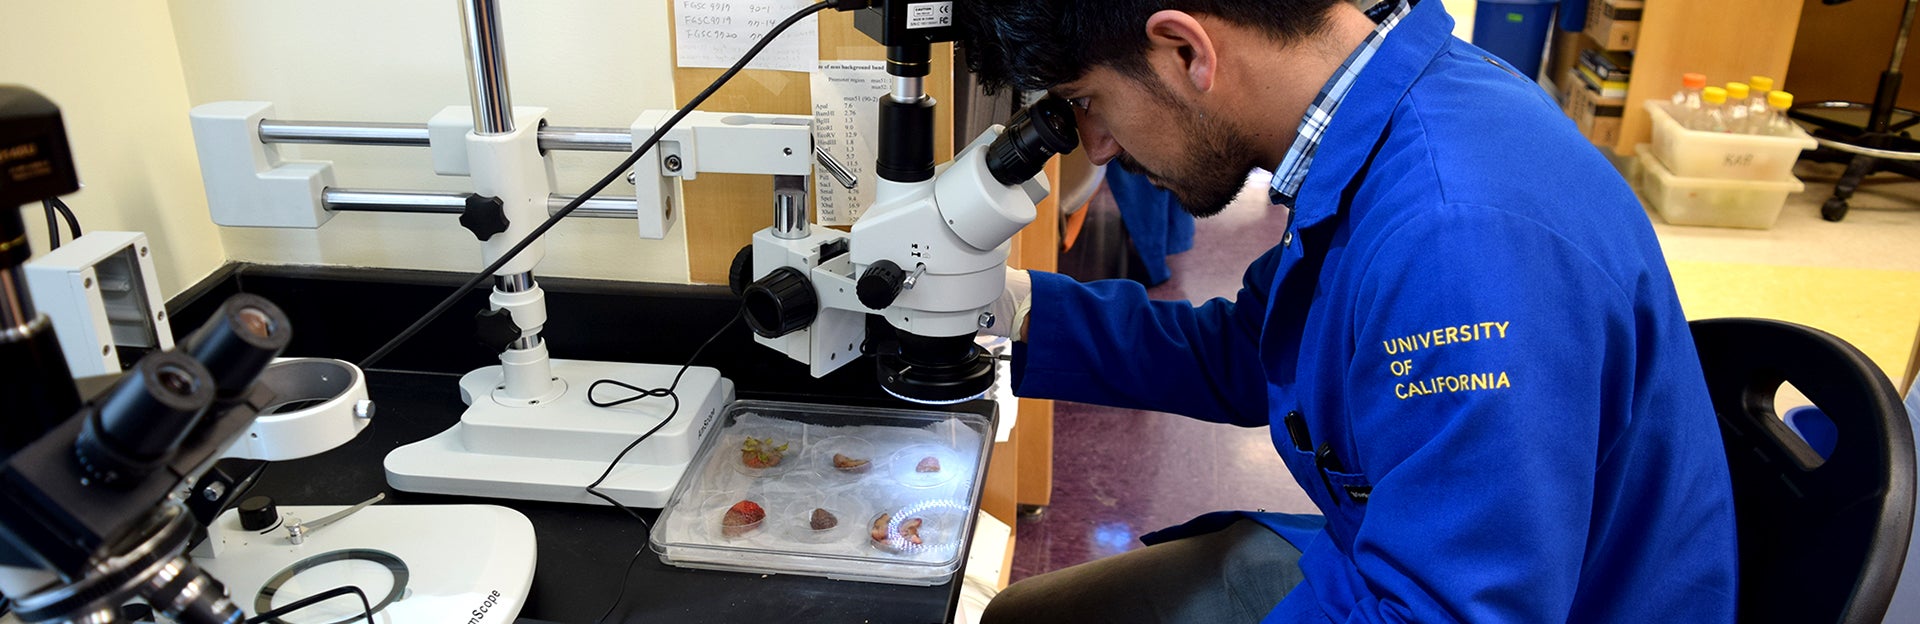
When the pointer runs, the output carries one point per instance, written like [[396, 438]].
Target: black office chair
[[1869, 138], [1820, 540]]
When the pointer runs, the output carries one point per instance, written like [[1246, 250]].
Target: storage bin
[[1698, 154], [1753, 204]]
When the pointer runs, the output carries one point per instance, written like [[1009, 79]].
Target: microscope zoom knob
[[496, 329], [881, 284], [257, 513], [741, 273], [780, 303], [484, 216]]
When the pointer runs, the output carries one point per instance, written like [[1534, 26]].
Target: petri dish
[[831, 452], [925, 465]]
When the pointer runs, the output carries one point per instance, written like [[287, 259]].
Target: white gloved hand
[[1010, 311]]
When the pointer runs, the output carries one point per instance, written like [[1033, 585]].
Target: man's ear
[[1178, 33]]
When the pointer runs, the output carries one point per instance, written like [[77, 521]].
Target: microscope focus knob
[[780, 303], [257, 513], [496, 329], [484, 216], [881, 284], [741, 273]]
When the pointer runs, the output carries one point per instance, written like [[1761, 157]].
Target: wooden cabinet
[[1728, 40]]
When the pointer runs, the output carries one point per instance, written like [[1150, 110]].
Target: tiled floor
[[1859, 279]]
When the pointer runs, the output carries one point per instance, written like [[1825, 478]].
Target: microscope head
[[980, 200], [930, 253], [33, 149], [35, 164]]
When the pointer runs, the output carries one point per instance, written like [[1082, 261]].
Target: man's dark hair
[[1036, 44]]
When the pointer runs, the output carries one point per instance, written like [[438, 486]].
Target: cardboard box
[[1614, 24], [1598, 118], [1564, 52]]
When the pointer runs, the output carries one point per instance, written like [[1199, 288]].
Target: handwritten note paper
[[846, 123], [716, 33]]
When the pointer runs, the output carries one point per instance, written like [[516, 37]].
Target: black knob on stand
[[881, 284], [741, 273], [496, 329], [781, 303], [484, 216], [258, 513]]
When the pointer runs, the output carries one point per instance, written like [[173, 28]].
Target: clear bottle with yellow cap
[[1712, 116], [1757, 101], [1739, 117], [1778, 123]]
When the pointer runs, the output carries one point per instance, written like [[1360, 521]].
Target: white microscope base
[[458, 558], [552, 450]]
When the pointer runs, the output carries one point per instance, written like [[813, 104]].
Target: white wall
[[113, 69], [590, 62]]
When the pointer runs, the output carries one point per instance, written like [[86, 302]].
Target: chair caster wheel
[[1834, 209]]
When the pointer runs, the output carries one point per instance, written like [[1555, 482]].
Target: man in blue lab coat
[[1465, 341]]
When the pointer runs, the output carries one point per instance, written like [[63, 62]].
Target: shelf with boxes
[[1594, 94], [1599, 65]]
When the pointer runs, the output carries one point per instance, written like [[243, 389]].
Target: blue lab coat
[[1498, 406], [1156, 223]]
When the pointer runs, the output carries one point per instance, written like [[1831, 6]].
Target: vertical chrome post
[[492, 106], [791, 219], [908, 89], [486, 67], [518, 282]]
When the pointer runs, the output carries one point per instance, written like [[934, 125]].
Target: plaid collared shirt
[[1293, 169]]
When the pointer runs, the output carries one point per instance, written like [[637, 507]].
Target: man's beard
[[1214, 171]]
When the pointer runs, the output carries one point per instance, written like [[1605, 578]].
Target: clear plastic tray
[[1751, 204], [894, 482], [1720, 155]]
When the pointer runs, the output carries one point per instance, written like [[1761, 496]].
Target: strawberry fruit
[[743, 517]]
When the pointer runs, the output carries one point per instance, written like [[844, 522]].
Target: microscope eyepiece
[[1034, 136], [239, 342], [142, 420], [143, 417]]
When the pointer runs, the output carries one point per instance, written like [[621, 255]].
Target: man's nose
[[1099, 145]]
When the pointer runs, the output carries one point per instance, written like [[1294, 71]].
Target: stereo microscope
[[930, 255]]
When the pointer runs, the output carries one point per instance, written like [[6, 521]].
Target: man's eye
[[1084, 103]]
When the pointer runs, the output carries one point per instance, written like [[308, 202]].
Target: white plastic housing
[[840, 325], [466, 563], [957, 226], [712, 143], [552, 450], [509, 166], [323, 426], [102, 294], [980, 209], [248, 185], [447, 138]]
